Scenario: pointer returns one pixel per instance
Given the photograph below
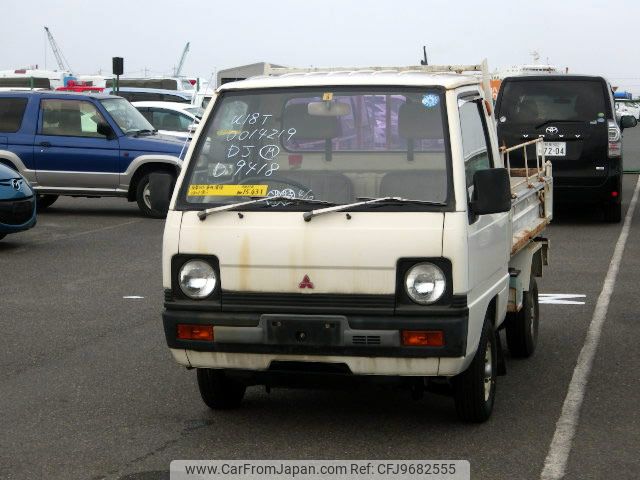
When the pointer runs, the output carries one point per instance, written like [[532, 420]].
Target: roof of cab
[[356, 77]]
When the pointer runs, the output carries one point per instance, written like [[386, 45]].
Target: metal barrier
[[541, 163]]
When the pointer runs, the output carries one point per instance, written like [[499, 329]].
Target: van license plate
[[553, 149], [312, 331]]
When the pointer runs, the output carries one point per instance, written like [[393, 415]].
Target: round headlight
[[197, 279], [425, 283]]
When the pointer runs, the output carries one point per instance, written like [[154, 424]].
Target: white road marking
[[85, 232], [74, 235], [132, 297], [555, 464], [560, 298]]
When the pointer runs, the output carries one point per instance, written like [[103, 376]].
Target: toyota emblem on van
[[552, 130]]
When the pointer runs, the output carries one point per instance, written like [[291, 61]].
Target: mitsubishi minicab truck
[[349, 224]]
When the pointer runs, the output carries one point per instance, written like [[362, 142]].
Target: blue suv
[[84, 145]]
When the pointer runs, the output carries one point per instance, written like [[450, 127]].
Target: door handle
[[45, 144]]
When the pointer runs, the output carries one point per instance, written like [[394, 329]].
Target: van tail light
[[615, 140]]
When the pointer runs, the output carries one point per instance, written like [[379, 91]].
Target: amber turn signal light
[[195, 332], [423, 338]]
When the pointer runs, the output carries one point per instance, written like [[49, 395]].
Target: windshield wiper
[[557, 121], [232, 206], [369, 201]]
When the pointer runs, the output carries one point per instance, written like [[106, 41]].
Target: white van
[[352, 224]]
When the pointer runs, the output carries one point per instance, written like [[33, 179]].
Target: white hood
[[273, 251]]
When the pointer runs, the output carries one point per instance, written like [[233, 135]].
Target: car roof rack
[[481, 69]]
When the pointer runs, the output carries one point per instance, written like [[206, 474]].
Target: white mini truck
[[350, 224]]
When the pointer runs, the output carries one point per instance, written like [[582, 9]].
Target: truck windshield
[[330, 144], [128, 118], [537, 101]]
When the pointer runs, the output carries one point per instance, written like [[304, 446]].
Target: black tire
[[522, 327], [474, 402], [45, 201], [612, 212], [218, 391], [142, 198]]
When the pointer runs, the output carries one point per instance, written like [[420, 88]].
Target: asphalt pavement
[[89, 390], [631, 149]]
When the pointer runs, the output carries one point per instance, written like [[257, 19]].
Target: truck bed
[[531, 205]]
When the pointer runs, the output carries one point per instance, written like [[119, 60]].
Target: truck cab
[[348, 223]]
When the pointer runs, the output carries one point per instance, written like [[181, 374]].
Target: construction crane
[[178, 69], [60, 59]]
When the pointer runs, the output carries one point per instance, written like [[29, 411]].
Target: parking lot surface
[[631, 149], [89, 390]]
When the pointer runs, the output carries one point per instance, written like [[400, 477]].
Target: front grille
[[16, 212], [366, 340], [326, 303]]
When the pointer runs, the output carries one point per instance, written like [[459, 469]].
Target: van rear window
[[543, 100], [11, 113]]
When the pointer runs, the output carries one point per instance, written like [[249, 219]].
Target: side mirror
[[160, 190], [106, 130], [628, 121], [192, 128], [491, 191]]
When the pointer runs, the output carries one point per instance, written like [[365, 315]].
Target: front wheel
[[218, 391], [522, 327], [475, 388], [143, 198]]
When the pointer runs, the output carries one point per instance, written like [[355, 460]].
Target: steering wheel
[[282, 180]]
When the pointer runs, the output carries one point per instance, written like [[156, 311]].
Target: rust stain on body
[[244, 262], [526, 237]]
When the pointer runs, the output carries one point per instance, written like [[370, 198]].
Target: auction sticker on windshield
[[227, 190]]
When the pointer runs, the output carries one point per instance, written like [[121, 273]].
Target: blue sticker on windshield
[[430, 100]]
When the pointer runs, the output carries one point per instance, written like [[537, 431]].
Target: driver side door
[[69, 153]]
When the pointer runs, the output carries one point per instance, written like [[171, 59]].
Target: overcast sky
[[587, 36]]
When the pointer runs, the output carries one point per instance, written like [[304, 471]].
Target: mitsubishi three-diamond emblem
[[306, 283]]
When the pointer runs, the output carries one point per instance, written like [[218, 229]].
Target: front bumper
[[17, 215], [367, 344]]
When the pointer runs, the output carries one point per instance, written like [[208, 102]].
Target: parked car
[[17, 202], [152, 94], [575, 115], [627, 108], [171, 118], [90, 145], [203, 97]]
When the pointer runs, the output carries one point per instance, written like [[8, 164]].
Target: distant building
[[243, 72], [34, 78]]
